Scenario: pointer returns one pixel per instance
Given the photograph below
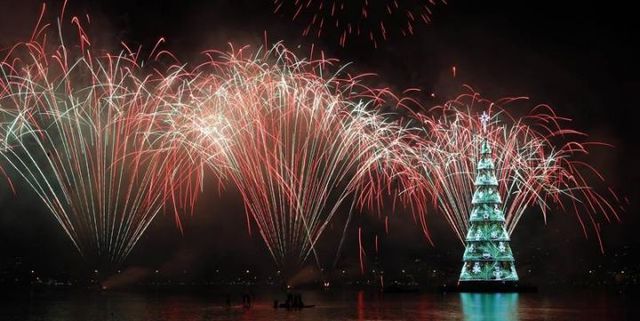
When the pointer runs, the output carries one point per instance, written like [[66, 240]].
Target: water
[[333, 305]]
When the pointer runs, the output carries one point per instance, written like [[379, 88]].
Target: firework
[[74, 126], [374, 20], [537, 163], [294, 143], [106, 143]]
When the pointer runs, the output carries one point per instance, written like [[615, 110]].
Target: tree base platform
[[489, 287]]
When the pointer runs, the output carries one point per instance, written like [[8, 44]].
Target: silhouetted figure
[[246, 301], [228, 301], [297, 302], [289, 302], [275, 304]]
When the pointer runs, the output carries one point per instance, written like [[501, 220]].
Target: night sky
[[580, 59]]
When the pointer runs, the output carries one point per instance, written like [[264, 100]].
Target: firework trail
[[295, 143], [73, 128], [375, 20], [106, 144], [537, 163]]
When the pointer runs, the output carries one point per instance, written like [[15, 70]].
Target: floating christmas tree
[[487, 256]]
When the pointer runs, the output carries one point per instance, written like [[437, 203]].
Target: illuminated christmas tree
[[487, 256]]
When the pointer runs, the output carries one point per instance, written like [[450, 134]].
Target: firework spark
[[376, 21], [538, 163], [73, 129], [295, 143]]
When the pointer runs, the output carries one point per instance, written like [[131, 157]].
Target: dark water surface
[[331, 305]]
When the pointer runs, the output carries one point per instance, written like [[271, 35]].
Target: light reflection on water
[[489, 306], [332, 305]]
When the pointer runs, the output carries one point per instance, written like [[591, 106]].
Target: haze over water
[[329, 305]]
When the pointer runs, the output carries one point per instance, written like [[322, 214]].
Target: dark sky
[[581, 59]]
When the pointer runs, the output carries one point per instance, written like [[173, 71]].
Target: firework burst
[[295, 143], [73, 130], [538, 163], [374, 20]]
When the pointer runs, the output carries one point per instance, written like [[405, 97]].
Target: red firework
[[376, 21]]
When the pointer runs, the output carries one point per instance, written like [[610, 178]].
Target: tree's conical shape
[[487, 256]]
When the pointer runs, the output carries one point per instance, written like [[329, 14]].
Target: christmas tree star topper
[[484, 119]]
